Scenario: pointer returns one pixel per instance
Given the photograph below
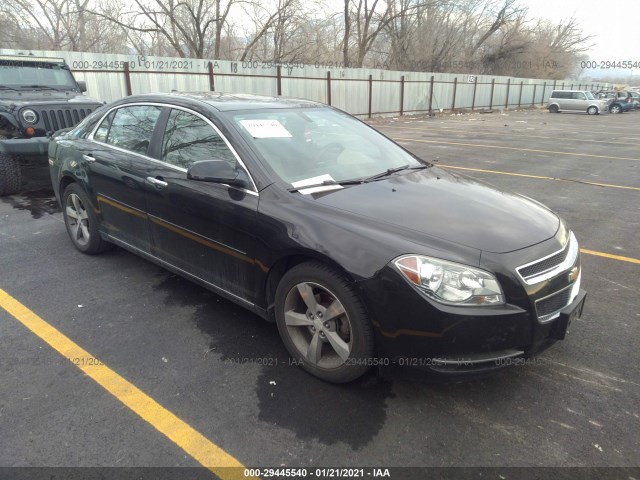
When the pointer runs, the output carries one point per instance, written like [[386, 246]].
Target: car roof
[[227, 101]]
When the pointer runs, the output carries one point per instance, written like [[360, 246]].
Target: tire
[[554, 109], [81, 221], [10, 175], [615, 108], [336, 346], [592, 110]]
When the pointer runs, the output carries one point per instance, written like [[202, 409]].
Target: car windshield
[[589, 95], [305, 144], [23, 73]]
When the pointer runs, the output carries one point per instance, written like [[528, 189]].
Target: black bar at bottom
[[306, 473]]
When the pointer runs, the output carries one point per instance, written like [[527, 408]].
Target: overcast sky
[[614, 24]]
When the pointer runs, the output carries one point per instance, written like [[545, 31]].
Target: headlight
[[29, 116], [450, 282]]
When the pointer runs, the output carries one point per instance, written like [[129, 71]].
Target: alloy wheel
[[318, 325], [77, 219]]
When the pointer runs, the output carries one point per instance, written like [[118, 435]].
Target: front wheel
[[323, 323], [554, 109], [615, 109], [592, 110], [81, 221], [10, 175]]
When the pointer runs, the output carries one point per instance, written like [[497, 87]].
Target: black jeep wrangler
[[38, 96]]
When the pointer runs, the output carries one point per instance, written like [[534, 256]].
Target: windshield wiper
[[38, 86], [358, 181], [390, 171], [4, 87], [327, 183]]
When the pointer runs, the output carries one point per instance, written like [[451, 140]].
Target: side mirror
[[217, 171], [83, 85]]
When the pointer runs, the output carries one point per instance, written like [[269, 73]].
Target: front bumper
[[415, 332], [25, 146]]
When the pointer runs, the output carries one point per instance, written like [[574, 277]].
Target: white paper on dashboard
[[314, 181], [266, 128]]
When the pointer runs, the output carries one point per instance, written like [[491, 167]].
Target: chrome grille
[[544, 265], [57, 119], [551, 265], [547, 308]]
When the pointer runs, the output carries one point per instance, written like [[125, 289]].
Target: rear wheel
[[592, 110], [81, 221], [323, 323], [553, 109]]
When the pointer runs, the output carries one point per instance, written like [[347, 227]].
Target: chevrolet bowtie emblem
[[573, 274]]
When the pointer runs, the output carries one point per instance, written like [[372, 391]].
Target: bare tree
[[507, 50], [428, 38], [278, 31], [493, 17], [480, 36], [14, 36], [558, 48], [367, 19], [186, 25], [471, 36], [45, 16], [61, 25]]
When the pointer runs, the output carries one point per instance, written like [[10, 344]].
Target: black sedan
[[362, 253]]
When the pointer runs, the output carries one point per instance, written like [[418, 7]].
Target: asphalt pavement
[[225, 373]]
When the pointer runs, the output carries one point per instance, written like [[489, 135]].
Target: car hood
[[451, 207], [19, 99]]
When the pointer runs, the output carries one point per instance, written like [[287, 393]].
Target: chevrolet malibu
[[362, 253]]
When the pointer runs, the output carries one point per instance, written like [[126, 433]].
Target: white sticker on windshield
[[300, 184], [265, 128]]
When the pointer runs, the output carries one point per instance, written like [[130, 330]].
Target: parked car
[[618, 101], [38, 95], [575, 101], [362, 253], [635, 99]]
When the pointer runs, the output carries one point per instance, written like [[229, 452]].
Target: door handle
[[156, 182], [89, 158]]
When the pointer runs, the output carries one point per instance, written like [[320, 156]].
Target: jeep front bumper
[[25, 146]]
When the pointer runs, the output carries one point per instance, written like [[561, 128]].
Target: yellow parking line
[[540, 177], [617, 129], [609, 255], [179, 432], [514, 148], [441, 130]]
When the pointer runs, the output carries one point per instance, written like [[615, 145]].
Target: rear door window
[[129, 128]]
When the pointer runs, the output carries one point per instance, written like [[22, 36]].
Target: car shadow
[[287, 396], [315, 410]]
